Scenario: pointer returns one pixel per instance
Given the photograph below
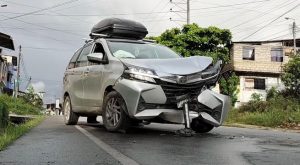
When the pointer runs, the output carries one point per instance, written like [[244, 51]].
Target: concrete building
[[259, 65], [7, 64]]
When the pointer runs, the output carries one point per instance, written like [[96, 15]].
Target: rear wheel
[[200, 126], [114, 113], [70, 117]]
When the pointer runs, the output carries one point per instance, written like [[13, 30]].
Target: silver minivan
[[128, 80]]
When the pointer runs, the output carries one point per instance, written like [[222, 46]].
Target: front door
[[82, 66], [92, 80]]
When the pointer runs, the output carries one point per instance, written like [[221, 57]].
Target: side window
[[98, 48], [82, 60], [73, 59]]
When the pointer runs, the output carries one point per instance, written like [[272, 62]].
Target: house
[[7, 65], [259, 65]]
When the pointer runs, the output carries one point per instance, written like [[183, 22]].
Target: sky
[[51, 31]]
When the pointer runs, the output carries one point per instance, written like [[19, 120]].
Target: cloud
[[39, 86]]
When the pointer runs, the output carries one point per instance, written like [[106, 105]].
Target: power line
[[263, 14], [40, 10], [271, 22], [44, 48], [224, 6], [49, 28]]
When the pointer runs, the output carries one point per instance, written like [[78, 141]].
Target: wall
[[262, 62], [245, 93]]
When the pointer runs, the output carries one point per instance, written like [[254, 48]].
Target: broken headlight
[[139, 73]]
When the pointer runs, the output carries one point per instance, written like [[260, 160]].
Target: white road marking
[[125, 160]]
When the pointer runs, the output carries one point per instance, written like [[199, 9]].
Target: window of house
[[248, 53], [255, 83], [259, 83], [277, 54]]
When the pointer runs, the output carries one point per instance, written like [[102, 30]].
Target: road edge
[[238, 125]]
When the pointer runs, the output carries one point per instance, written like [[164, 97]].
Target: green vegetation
[[12, 132], [3, 115], [9, 131], [193, 40], [19, 106], [32, 98], [281, 108], [291, 76], [278, 111]]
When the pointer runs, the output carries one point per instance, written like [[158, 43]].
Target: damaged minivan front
[[141, 82]]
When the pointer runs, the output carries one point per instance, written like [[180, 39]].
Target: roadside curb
[[259, 127]]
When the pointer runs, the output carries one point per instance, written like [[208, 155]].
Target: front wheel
[[114, 113], [70, 117], [200, 126]]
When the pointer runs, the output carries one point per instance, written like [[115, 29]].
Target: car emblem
[[181, 79]]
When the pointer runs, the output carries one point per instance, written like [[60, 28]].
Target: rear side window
[[82, 60], [73, 59]]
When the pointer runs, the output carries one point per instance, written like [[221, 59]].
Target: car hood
[[175, 66]]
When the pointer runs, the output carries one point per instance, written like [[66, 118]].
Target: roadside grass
[[19, 106], [276, 113], [13, 132], [268, 119]]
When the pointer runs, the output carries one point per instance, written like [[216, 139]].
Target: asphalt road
[[54, 143]]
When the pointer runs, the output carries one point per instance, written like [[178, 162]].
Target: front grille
[[172, 90]]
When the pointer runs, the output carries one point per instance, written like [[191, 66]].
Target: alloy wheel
[[113, 110]]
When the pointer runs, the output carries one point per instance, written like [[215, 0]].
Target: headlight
[[141, 73]]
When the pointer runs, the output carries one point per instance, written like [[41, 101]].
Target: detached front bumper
[[136, 93]]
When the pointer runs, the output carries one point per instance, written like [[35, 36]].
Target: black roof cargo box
[[123, 28]]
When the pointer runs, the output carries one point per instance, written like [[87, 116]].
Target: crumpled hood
[[175, 66]]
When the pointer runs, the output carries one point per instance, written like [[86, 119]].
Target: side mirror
[[96, 57]]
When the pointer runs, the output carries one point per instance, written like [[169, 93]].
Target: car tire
[[200, 126], [114, 113], [70, 117]]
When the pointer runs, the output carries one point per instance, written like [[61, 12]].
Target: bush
[[254, 106], [256, 97], [272, 93], [279, 111], [19, 106], [3, 115]]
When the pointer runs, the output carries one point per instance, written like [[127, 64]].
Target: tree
[[291, 76], [193, 40], [33, 98]]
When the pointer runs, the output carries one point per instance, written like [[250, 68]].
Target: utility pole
[[188, 12], [187, 20], [18, 71], [294, 27], [294, 36]]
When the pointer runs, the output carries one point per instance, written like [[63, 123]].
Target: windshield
[[136, 50]]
